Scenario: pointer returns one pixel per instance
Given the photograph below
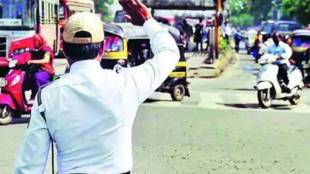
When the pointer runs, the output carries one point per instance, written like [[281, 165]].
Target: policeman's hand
[[137, 12]]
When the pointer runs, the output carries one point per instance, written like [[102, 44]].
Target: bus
[[20, 20]]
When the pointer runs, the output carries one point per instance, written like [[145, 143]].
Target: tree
[[239, 9], [260, 10], [103, 7], [249, 12], [299, 9], [242, 20]]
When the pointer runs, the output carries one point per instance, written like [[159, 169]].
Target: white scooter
[[268, 86]]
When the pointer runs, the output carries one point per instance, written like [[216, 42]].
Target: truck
[[20, 20]]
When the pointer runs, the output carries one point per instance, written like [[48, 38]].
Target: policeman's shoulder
[[52, 84]]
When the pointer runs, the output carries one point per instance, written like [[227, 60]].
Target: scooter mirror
[[12, 63]]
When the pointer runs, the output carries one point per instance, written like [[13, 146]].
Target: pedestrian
[[198, 35], [89, 112], [188, 32], [237, 38], [41, 70], [226, 30]]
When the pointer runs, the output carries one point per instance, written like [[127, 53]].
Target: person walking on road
[[89, 112], [198, 35]]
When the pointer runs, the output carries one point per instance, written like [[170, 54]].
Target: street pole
[[218, 9]]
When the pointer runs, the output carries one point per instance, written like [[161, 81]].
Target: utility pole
[[218, 21]]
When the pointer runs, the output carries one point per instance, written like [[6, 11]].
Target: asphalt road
[[222, 130], [219, 130]]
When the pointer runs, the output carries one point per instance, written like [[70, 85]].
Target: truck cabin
[[50, 18]]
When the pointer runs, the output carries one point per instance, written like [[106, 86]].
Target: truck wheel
[[6, 115], [178, 92], [264, 98]]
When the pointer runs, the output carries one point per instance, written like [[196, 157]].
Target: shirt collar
[[85, 65]]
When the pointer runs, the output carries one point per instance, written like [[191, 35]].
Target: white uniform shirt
[[90, 112]]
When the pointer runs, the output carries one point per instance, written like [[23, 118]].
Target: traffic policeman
[[89, 112]]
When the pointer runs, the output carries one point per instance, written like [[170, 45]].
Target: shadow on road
[[240, 106], [21, 120], [281, 107], [238, 89], [155, 100], [255, 106]]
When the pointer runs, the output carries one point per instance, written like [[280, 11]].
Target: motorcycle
[[268, 86], [13, 102]]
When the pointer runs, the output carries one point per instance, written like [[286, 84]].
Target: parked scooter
[[13, 102], [268, 86]]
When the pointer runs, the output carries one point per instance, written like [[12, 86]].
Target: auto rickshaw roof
[[302, 32], [114, 29], [131, 32]]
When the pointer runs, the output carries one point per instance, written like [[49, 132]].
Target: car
[[284, 27]]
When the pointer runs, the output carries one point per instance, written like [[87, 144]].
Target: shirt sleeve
[[33, 154], [150, 75]]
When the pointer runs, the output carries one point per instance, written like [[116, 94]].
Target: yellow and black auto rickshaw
[[127, 45]]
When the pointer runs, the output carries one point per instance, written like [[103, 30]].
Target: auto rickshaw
[[301, 52], [127, 45]]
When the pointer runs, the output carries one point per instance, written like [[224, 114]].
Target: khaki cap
[[83, 22]]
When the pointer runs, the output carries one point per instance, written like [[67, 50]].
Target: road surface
[[219, 130]]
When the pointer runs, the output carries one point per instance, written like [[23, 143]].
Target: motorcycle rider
[[278, 48], [41, 65]]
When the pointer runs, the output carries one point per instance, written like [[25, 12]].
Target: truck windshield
[[17, 14]]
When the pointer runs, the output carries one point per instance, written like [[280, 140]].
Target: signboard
[[180, 3]]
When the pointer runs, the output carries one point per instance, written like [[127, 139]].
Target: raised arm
[[150, 75]]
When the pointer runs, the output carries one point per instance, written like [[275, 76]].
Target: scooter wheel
[[296, 99], [6, 115], [264, 98]]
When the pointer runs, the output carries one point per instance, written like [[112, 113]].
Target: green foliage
[[260, 10], [299, 9], [102, 7], [224, 43], [249, 12], [237, 6], [242, 20]]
